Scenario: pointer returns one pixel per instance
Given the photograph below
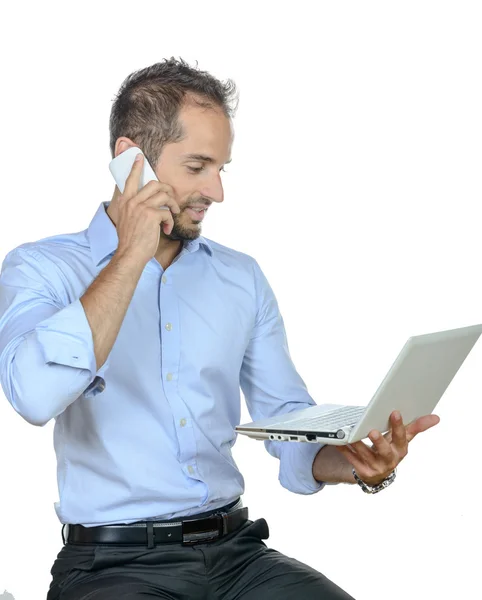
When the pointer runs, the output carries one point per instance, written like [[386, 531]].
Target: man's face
[[193, 167]]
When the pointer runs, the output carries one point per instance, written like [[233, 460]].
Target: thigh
[[169, 572], [273, 575], [114, 588], [255, 571]]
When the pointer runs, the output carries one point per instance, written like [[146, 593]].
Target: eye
[[195, 169]]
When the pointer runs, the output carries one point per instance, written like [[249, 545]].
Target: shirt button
[[164, 279], [190, 469], [182, 422], [168, 326], [169, 377]]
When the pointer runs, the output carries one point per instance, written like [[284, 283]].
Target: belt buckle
[[197, 531]]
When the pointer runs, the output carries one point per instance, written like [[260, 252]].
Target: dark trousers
[[237, 567]]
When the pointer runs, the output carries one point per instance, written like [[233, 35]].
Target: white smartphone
[[121, 166]]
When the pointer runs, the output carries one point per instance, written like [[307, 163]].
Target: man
[[136, 335]]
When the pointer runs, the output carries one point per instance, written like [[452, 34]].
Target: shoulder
[[54, 266], [50, 250], [242, 268], [233, 258]]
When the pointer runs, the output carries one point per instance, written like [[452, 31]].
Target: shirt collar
[[103, 239]]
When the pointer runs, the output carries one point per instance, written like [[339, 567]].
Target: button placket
[[170, 332]]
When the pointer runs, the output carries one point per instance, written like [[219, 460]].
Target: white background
[[356, 184]]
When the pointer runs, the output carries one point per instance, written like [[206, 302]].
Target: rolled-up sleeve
[[47, 357], [272, 386]]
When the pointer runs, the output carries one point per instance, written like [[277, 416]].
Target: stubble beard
[[180, 232]]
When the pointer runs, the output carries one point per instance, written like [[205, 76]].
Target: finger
[[151, 189], [167, 227], [164, 218], [134, 178], [161, 199], [398, 433], [364, 452], [421, 424], [381, 445]]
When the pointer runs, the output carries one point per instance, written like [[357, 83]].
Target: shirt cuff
[[65, 338], [296, 466]]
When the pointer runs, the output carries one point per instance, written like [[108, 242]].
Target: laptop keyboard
[[329, 421]]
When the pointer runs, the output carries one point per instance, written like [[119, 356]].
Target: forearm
[[49, 356], [106, 302], [45, 370], [330, 466], [38, 391]]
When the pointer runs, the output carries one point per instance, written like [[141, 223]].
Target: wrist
[[374, 488], [128, 262], [330, 466], [371, 481]]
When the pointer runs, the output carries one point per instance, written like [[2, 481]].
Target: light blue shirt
[[148, 435]]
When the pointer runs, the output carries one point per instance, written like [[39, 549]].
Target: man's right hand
[[140, 216]]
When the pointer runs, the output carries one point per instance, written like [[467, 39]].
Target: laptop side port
[[310, 437]]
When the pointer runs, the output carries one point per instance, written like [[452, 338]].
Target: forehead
[[206, 131]]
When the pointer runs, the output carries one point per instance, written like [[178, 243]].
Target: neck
[[166, 251]]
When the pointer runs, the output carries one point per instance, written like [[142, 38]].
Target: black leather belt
[[187, 531]]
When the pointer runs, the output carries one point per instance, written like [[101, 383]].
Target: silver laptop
[[414, 384]]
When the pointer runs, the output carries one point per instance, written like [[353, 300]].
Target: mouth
[[196, 214]]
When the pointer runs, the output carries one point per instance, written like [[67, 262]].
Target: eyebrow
[[203, 158]]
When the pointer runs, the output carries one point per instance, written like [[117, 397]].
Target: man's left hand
[[374, 464]]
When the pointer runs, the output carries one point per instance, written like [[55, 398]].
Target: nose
[[213, 189]]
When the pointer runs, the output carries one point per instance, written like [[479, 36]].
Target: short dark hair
[[147, 105]]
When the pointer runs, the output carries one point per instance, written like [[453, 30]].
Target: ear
[[122, 144]]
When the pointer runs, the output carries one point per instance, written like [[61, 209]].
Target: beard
[[180, 232]]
